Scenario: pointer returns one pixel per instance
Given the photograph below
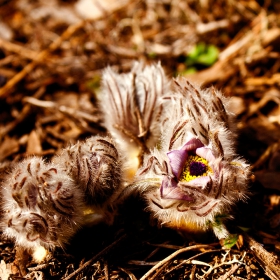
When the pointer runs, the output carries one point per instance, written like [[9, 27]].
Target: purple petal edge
[[205, 153], [177, 159], [170, 190], [192, 145], [198, 182]]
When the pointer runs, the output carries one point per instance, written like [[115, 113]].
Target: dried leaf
[[33, 143], [8, 147], [94, 9], [5, 270]]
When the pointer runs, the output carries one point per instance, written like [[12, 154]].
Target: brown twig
[[268, 262], [6, 89], [16, 48], [142, 263], [81, 118], [105, 250], [170, 257], [167, 246], [230, 272], [192, 275], [106, 271], [158, 248], [159, 271], [38, 267], [78, 114], [22, 116], [130, 274], [264, 157], [191, 259]]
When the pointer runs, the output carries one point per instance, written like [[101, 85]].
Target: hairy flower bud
[[41, 205], [95, 165], [131, 105]]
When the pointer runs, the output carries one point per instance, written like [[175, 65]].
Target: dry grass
[[50, 65]]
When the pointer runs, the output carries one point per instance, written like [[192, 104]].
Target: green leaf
[[230, 241]]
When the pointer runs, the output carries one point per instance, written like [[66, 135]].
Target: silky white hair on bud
[[195, 174], [131, 104], [95, 165], [206, 116], [41, 205]]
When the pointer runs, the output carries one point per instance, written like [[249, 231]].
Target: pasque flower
[[195, 174], [191, 164], [132, 105]]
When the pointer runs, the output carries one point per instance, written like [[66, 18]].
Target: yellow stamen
[[186, 176]]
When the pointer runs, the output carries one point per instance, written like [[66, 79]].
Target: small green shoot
[[202, 54], [230, 241]]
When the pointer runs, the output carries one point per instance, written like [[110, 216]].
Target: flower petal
[[192, 145], [177, 159], [199, 181], [170, 190], [205, 153]]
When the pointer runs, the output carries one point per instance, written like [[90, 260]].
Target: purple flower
[[190, 164]]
